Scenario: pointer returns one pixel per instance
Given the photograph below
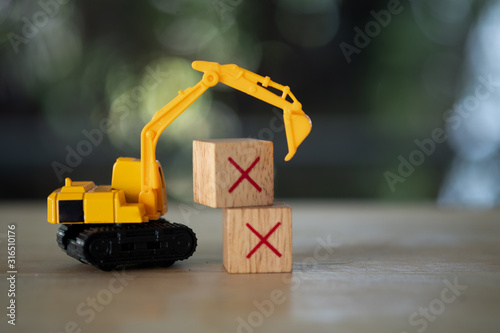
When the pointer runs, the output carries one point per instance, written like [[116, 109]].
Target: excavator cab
[[127, 178]]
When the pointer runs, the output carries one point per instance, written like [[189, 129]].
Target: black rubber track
[[107, 246]]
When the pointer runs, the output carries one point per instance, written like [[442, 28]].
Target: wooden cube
[[233, 172], [258, 239]]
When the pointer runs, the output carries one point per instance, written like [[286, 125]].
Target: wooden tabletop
[[358, 267]]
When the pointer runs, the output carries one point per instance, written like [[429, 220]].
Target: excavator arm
[[297, 123]]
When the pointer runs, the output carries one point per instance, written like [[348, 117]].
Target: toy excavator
[[120, 224]]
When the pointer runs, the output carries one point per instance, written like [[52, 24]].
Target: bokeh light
[[474, 177], [93, 62], [308, 23]]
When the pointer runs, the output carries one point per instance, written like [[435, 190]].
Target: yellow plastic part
[[98, 205], [101, 204], [51, 208], [127, 177], [70, 191], [128, 212], [76, 187]]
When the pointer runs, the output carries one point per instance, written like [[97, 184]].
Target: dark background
[[67, 66]]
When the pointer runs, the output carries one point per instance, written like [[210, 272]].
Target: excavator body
[[104, 225], [84, 202]]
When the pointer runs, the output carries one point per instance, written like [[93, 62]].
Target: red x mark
[[244, 174], [263, 240]]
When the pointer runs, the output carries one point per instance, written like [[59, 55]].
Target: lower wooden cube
[[258, 239]]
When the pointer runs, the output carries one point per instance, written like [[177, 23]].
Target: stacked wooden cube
[[238, 176]]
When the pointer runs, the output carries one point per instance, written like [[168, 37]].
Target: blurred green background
[[403, 95]]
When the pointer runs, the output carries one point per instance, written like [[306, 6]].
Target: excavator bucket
[[297, 123], [297, 127]]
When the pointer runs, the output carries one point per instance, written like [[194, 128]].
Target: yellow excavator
[[120, 224]]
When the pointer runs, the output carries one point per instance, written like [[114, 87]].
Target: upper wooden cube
[[233, 172]]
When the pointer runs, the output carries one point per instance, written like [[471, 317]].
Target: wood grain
[[233, 172], [245, 246]]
